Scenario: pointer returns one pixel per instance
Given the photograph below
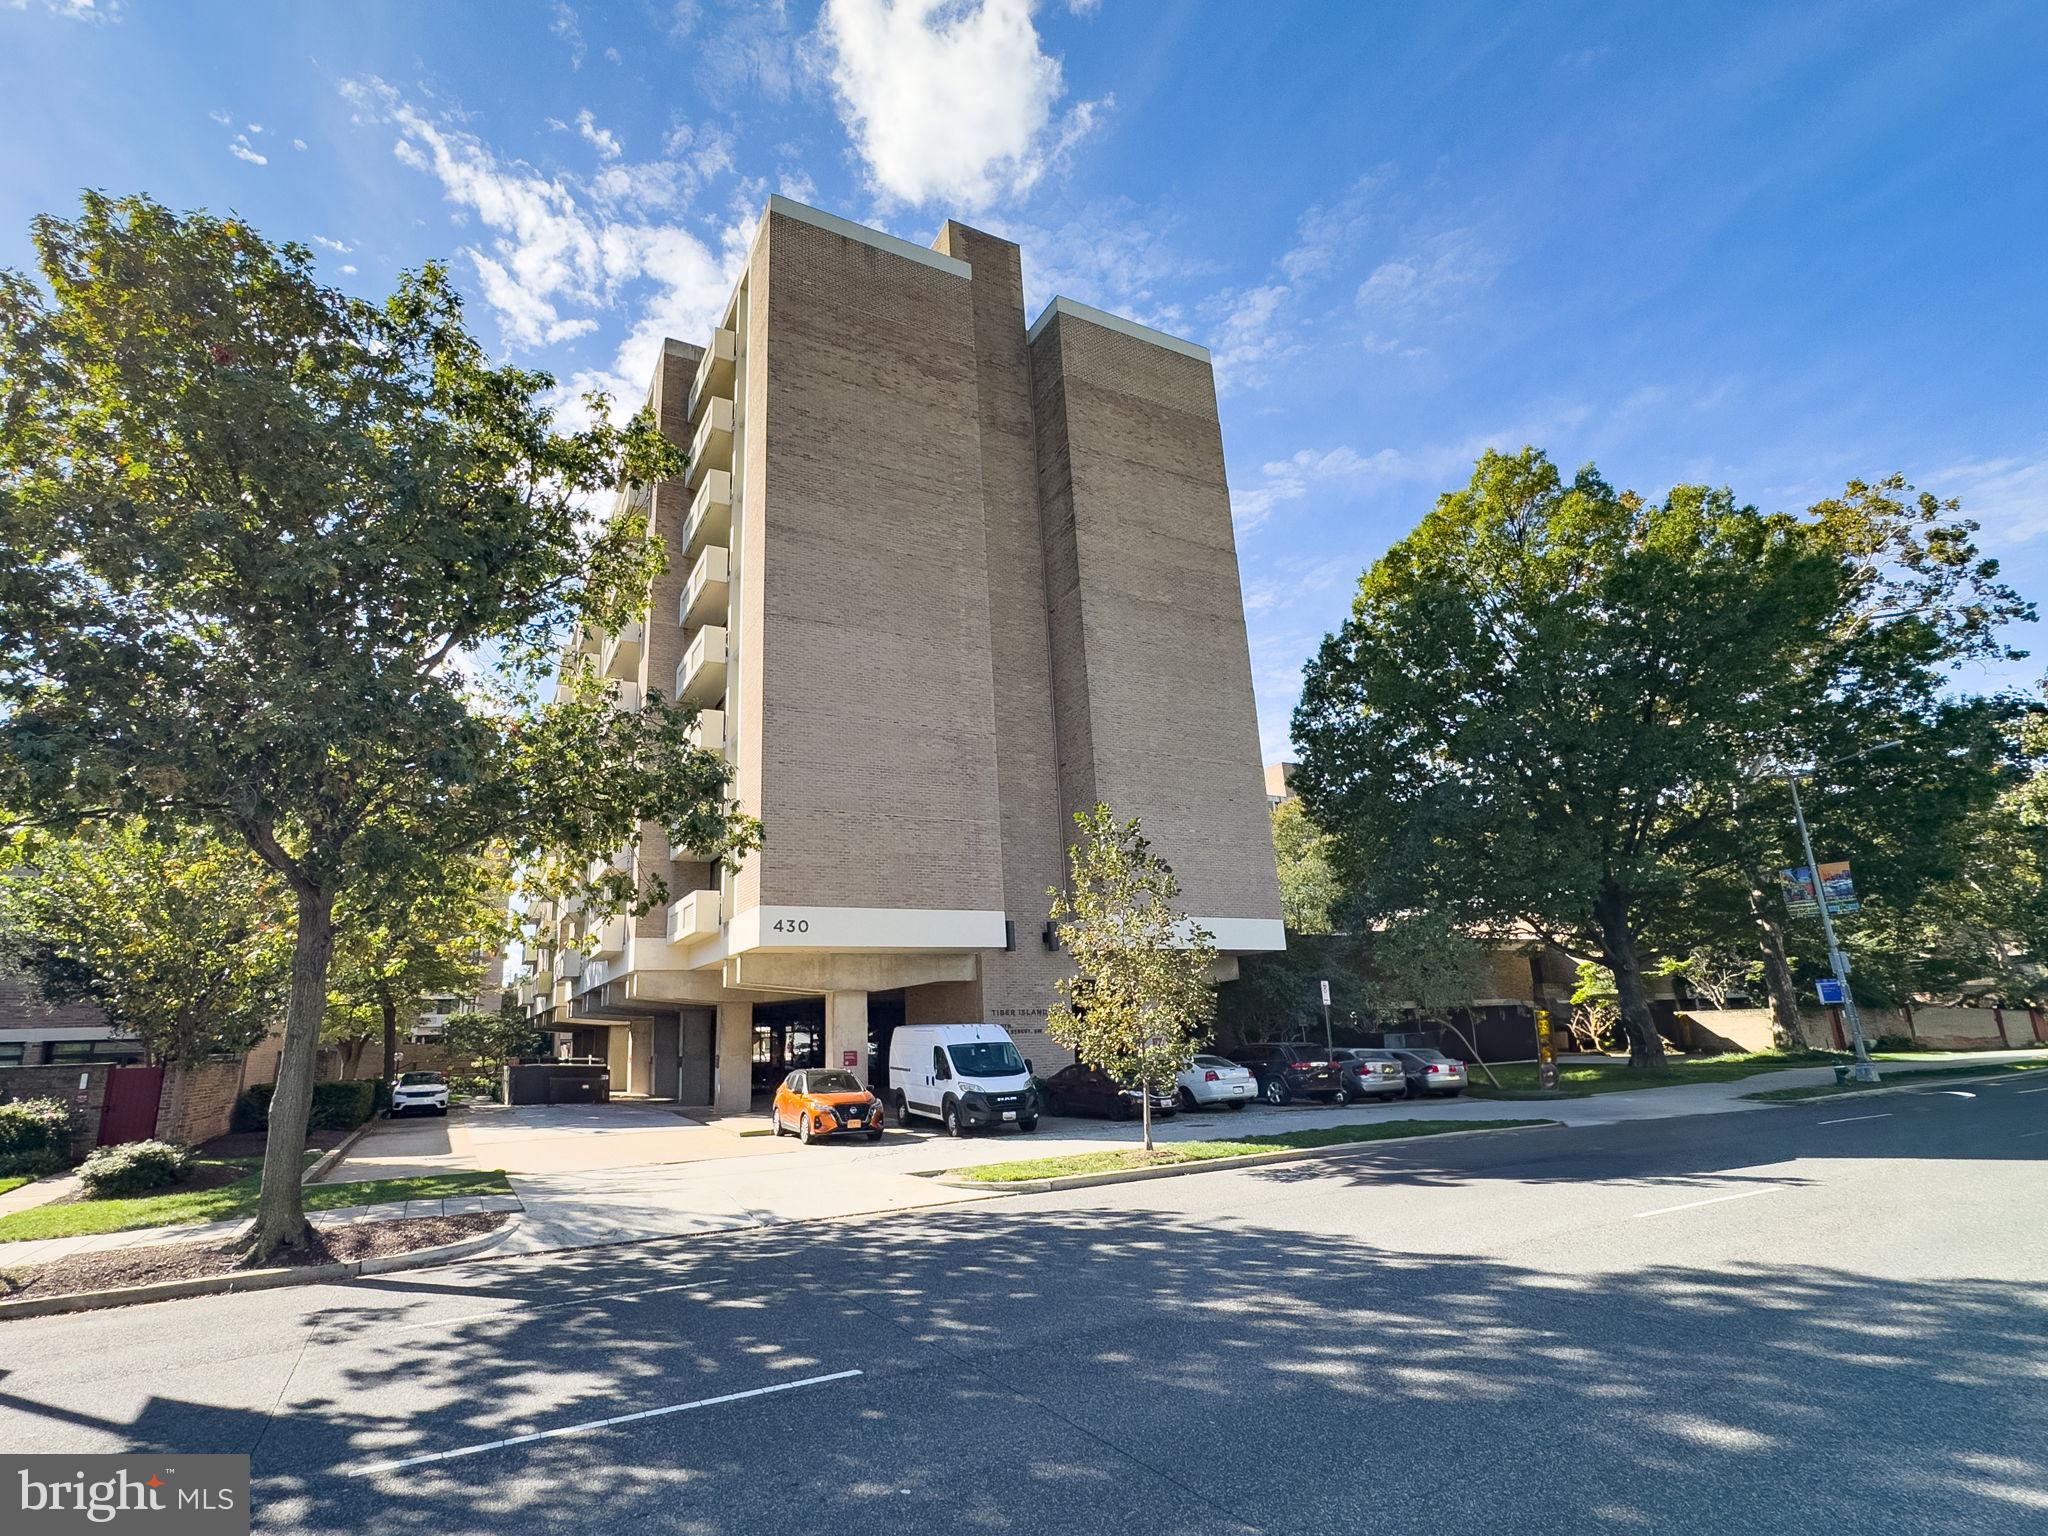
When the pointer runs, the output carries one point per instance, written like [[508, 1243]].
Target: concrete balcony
[[700, 677], [694, 916], [610, 937], [569, 963], [710, 519], [714, 372], [705, 593], [621, 654], [707, 731], [711, 448]]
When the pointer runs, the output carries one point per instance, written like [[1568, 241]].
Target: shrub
[[336, 1106], [472, 1085], [35, 1137], [134, 1168], [1893, 1043]]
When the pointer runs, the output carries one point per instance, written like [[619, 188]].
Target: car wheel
[[875, 1134], [1187, 1100], [901, 1108], [1055, 1105], [1028, 1126], [951, 1115], [1341, 1097], [803, 1128], [1274, 1091]]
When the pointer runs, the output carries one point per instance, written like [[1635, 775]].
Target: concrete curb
[[1208, 1165], [1918, 1083], [257, 1279], [333, 1155]]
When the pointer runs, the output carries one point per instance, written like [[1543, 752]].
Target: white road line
[[2034, 1090], [585, 1428], [2023, 1135], [515, 1309], [1690, 1205], [1854, 1118]]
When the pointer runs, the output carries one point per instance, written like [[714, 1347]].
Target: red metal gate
[[129, 1113]]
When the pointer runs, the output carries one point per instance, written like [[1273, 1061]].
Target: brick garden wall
[[197, 1101], [62, 1082]]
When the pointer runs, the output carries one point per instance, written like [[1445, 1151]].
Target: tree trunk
[[1770, 941], [390, 1006], [1618, 953], [280, 1211]]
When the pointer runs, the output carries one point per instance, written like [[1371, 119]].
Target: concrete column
[[617, 1040], [732, 1075], [846, 1032]]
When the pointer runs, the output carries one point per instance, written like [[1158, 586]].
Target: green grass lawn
[[13, 1181], [1579, 1078], [1892, 1077], [224, 1202], [1168, 1154]]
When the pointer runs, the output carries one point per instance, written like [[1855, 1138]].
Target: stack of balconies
[[706, 599]]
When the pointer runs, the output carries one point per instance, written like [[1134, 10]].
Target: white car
[[1212, 1080], [423, 1093]]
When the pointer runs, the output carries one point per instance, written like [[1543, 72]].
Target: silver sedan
[[1212, 1080]]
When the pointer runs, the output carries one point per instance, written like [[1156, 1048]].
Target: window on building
[[11, 1053]]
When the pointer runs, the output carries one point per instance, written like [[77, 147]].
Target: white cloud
[[602, 139], [1285, 480], [2008, 495], [559, 251], [1247, 336], [1083, 7], [254, 127], [242, 149], [1329, 230], [223, 118], [298, 144], [1429, 280], [948, 99], [74, 10], [339, 247], [569, 30], [348, 270]]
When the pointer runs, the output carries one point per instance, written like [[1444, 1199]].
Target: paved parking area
[[542, 1139]]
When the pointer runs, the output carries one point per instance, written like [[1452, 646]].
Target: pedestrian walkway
[[48, 1249], [38, 1192]]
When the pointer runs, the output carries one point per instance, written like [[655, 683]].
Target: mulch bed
[[250, 1143], [189, 1261]]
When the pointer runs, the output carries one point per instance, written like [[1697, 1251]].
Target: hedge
[[35, 1137], [134, 1168], [336, 1106]]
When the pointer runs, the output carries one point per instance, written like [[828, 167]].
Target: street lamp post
[[1865, 1071]]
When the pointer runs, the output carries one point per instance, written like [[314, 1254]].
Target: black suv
[[1290, 1072]]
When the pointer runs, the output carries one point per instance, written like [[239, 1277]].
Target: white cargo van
[[965, 1076]]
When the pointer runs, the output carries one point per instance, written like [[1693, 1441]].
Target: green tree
[[429, 932], [489, 1040], [180, 938], [1141, 1000], [1552, 700], [1309, 893], [253, 532]]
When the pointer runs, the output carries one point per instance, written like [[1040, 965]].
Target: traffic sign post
[[1328, 1043]]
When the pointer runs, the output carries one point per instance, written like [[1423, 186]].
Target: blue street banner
[[1830, 992]]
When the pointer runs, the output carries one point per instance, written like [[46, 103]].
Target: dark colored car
[[1432, 1074], [1085, 1090], [1290, 1072], [1371, 1073]]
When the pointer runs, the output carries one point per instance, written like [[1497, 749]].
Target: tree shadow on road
[[1099, 1371]]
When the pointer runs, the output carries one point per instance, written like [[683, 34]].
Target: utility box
[[554, 1082]]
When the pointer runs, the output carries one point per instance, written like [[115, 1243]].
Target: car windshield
[[420, 1080], [834, 1082], [986, 1058]]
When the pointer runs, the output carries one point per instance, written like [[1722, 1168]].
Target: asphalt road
[[1825, 1318]]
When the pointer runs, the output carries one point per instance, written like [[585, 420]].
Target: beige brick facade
[[979, 577]]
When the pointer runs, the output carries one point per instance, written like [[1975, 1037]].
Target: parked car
[[1289, 1072], [422, 1093], [1085, 1090], [825, 1101], [1432, 1074], [965, 1076], [1371, 1073], [1214, 1080]]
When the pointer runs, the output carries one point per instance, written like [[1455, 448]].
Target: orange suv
[[823, 1102]]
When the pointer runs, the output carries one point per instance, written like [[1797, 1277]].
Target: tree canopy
[[1558, 704], [256, 536]]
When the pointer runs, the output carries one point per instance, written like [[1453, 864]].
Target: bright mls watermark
[[161, 1495]]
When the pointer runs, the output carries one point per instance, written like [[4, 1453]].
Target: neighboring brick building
[[34, 1032], [937, 581]]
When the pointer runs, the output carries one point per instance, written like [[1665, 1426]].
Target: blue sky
[[1768, 246]]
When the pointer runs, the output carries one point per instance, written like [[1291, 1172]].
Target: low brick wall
[[1949, 1029], [63, 1081], [197, 1102]]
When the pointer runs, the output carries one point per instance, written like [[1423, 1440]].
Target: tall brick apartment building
[[936, 581]]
